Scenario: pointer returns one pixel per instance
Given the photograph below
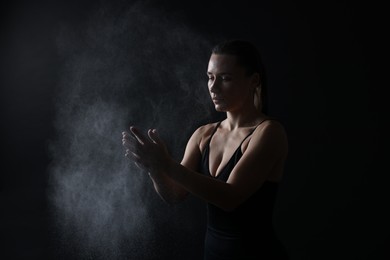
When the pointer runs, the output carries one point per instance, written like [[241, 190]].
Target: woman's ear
[[256, 79]]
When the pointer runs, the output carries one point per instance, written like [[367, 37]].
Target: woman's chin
[[220, 108]]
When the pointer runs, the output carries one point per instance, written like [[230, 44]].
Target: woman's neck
[[250, 118]]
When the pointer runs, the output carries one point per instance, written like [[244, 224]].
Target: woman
[[233, 165]]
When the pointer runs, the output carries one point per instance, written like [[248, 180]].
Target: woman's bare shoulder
[[203, 132], [271, 125], [271, 130], [205, 129]]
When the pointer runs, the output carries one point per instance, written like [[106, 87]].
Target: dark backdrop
[[324, 86]]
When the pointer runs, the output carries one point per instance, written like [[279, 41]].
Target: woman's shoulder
[[271, 129], [206, 129], [203, 132], [271, 122]]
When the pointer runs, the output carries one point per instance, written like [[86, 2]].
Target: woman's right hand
[[148, 152]]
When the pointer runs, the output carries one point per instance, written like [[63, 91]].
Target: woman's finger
[[138, 135], [153, 135], [133, 156], [129, 142], [129, 136], [139, 162], [150, 134], [138, 165], [141, 167]]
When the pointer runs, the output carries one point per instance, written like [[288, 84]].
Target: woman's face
[[229, 86]]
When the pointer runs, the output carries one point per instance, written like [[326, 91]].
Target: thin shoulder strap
[[251, 132], [215, 130]]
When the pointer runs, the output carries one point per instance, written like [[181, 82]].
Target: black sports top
[[251, 222]]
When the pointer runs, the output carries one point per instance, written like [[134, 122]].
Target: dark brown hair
[[248, 56]]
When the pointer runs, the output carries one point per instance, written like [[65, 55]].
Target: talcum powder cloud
[[125, 65]]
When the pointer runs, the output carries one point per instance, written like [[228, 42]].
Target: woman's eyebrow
[[220, 74]]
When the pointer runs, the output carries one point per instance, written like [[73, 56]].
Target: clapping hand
[[147, 151]]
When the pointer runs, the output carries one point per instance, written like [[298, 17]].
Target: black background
[[334, 200]]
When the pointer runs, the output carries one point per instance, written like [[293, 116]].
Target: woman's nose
[[214, 86]]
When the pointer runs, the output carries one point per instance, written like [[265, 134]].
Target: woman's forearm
[[209, 189], [168, 189]]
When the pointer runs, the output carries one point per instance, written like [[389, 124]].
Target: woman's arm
[[266, 149], [170, 191]]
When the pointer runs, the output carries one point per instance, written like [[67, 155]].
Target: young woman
[[233, 165]]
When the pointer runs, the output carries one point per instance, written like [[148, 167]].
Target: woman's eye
[[226, 78]]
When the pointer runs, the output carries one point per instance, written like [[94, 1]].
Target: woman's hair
[[250, 59]]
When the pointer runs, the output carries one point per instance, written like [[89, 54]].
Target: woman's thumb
[[154, 136]]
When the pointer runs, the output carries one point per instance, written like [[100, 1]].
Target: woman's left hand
[[148, 152]]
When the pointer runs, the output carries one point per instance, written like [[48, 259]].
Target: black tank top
[[254, 216]]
